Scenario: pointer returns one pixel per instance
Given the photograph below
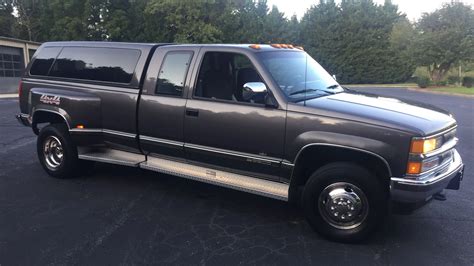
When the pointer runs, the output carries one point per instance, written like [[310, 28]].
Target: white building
[[14, 56]]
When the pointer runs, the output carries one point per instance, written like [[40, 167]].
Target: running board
[[110, 156], [221, 178], [244, 183]]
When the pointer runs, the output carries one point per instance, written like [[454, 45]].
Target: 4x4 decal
[[50, 99]]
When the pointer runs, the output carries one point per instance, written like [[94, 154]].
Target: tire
[[357, 204], [56, 152]]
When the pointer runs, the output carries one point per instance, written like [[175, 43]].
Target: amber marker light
[[80, 126], [255, 46], [414, 168], [275, 45]]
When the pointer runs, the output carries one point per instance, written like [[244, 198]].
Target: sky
[[413, 8]]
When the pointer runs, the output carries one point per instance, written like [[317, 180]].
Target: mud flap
[[455, 183]]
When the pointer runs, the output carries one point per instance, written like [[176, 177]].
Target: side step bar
[[105, 155], [244, 183]]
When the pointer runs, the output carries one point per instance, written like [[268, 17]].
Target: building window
[[11, 62], [31, 52]]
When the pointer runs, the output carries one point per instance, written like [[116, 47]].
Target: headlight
[[421, 146]]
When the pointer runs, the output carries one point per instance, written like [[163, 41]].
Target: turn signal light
[[255, 46], [80, 126], [414, 168]]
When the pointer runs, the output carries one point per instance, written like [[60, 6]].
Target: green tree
[[352, 40], [7, 20], [28, 21], [186, 22], [445, 38]]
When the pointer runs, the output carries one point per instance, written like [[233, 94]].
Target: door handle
[[192, 112]]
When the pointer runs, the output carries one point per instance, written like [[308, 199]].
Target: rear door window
[[44, 60], [173, 73], [101, 64]]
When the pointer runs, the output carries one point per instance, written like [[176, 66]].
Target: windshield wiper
[[333, 86], [303, 91]]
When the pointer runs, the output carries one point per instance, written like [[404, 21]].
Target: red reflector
[[20, 88]]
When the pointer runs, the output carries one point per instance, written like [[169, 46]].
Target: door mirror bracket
[[270, 101]]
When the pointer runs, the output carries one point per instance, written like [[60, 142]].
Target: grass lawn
[[460, 90]]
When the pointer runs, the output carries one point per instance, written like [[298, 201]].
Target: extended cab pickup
[[264, 119]]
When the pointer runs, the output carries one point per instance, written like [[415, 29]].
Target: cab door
[[224, 130], [162, 103]]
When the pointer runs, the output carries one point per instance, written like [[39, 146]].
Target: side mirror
[[254, 87]]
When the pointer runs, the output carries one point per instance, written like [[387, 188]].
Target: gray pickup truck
[[264, 119]]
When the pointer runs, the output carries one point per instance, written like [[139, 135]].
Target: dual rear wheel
[[57, 152]]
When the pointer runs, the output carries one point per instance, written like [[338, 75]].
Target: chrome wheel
[[53, 152], [343, 205]]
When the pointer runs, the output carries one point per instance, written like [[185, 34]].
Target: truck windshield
[[298, 75]]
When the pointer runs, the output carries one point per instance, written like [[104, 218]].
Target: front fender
[[390, 154]]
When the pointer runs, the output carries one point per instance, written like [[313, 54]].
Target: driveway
[[119, 215]]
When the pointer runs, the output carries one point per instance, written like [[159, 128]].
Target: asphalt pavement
[[119, 215]]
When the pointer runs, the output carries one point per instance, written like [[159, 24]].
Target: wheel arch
[[47, 116], [315, 155]]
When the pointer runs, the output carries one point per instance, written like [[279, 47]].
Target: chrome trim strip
[[455, 165], [104, 131], [437, 134], [162, 141], [238, 154], [85, 130], [248, 184], [344, 147], [119, 133]]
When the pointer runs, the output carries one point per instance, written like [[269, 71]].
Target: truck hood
[[404, 115]]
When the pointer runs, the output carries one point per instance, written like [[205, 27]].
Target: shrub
[[423, 82], [441, 83], [453, 79], [468, 82]]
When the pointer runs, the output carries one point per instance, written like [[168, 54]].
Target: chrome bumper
[[416, 191], [24, 119]]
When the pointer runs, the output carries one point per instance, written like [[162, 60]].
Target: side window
[[44, 60], [173, 73], [100, 64], [222, 76]]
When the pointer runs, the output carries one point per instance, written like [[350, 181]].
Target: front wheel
[[344, 202]]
